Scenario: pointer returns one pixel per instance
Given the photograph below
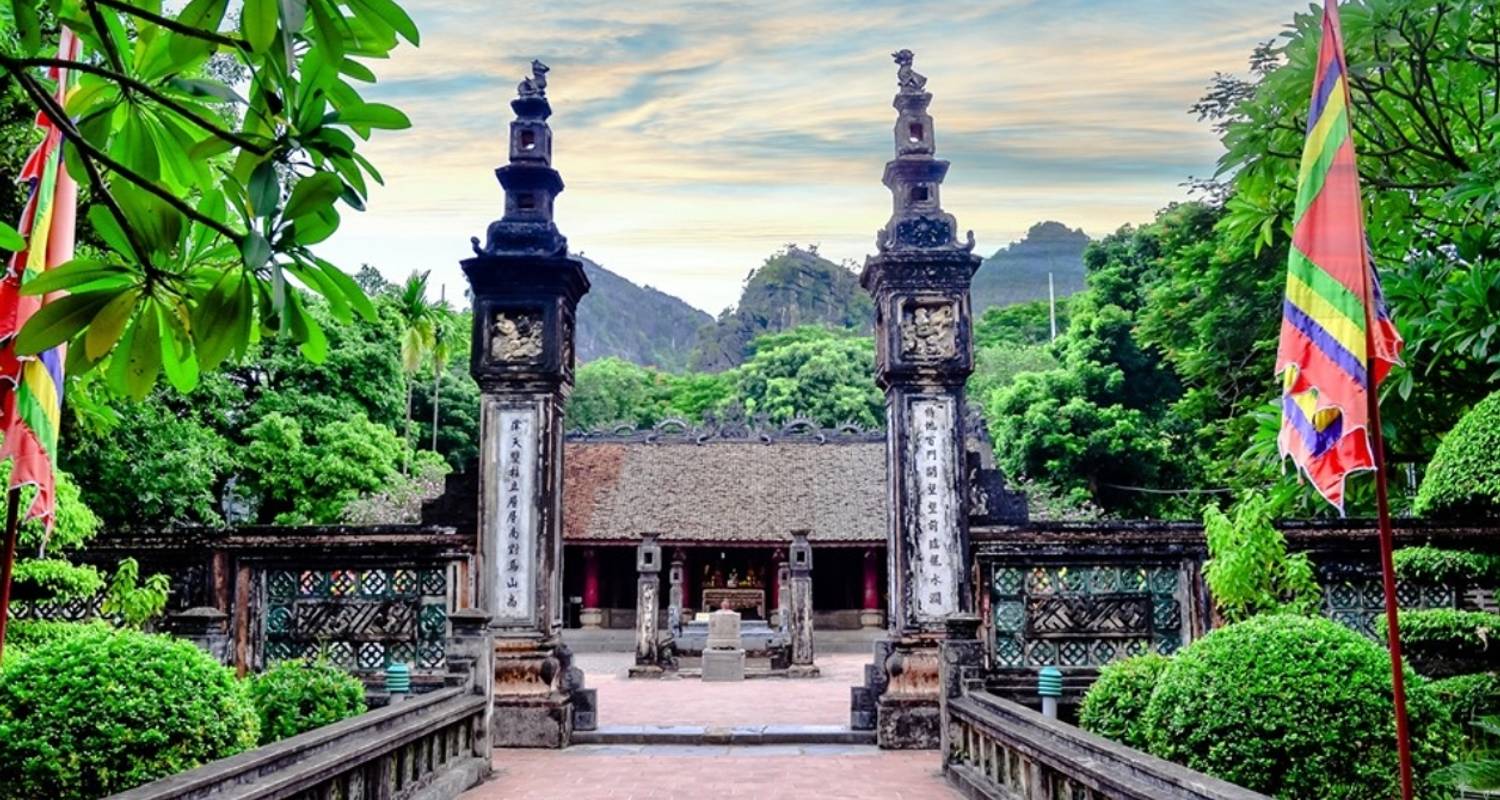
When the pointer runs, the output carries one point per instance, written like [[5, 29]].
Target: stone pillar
[[961, 663], [783, 596], [800, 607], [647, 609], [471, 651], [677, 577], [871, 615], [525, 290], [591, 617], [919, 279]]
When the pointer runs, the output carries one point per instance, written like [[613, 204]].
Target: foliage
[[794, 287], [1447, 629], [1294, 707], [58, 578], [313, 476], [102, 711], [1435, 565], [205, 214], [1469, 697], [1249, 570], [1479, 774], [1019, 324], [812, 372], [296, 696], [1464, 476], [25, 635], [400, 501], [1115, 706], [133, 602]]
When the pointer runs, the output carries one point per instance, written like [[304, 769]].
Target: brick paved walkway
[[810, 772], [689, 701]]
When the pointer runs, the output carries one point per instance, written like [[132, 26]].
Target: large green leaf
[[372, 115], [265, 189], [60, 320], [255, 250], [205, 15], [75, 274], [312, 194], [258, 21], [178, 360], [216, 321], [393, 15], [105, 328], [136, 363], [11, 239]]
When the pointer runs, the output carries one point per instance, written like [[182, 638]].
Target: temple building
[[723, 497]]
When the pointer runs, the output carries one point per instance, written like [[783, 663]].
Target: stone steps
[[723, 735]]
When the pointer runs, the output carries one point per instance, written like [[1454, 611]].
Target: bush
[[1295, 707], [24, 635], [1115, 706], [1469, 697], [296, 696], [1445, 641], [1249, 570], [1427, 564], [1464, 476], [102, 711]]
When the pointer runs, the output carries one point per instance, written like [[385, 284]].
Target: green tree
[[419, 320], [206, 217], [813, 372]]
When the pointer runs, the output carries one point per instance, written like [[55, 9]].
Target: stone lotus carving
[[516, 336], [929, 330]]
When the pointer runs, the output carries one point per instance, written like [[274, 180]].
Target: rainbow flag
[[1337, 340], [31, 386]]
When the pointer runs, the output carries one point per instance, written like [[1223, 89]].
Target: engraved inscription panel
[[933, 567], [515, 517]]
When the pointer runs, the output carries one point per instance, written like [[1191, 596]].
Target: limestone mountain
[[795, 286], [635, 323], [1018, 273]]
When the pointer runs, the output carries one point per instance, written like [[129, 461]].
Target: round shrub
[[105, 710], [1469, 697], [1464, 476], [1115, 706], [296, 696], [1295, 707]]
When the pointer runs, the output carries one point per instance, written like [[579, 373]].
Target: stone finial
[[536, 85], [910, 81]]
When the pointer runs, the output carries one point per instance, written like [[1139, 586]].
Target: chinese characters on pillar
[[516, 554], [934, 505]]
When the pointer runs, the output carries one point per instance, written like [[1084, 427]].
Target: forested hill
[[639, 324], [1018, 273], [793, 287]]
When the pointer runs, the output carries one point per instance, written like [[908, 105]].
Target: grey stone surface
[[723, 630], [723, 665]]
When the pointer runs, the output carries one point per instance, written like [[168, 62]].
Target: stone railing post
[[205, 627], [647, 608], [961, 659], [471, 663], [800, 608], [675, 592]]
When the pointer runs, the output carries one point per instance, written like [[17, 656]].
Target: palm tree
[[442, 350], [418, 332]]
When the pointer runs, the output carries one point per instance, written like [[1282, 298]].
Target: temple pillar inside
[[592, 616], [871, 615]]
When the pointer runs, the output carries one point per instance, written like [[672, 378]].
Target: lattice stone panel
[[1084, 615], [362, 619], [1354, 595]]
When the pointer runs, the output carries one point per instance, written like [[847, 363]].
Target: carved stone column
[[920, 282], [800, 607], [676, 577], [783, 601], [526, 289], [647, 609]]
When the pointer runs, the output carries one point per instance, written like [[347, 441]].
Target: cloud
[[695, 137]]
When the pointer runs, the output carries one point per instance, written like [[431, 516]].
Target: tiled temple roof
[[725, 483]]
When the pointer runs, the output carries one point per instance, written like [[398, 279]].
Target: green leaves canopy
[[207, 200]]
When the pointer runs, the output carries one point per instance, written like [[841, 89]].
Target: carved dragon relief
[[929, 330], [516, 336]]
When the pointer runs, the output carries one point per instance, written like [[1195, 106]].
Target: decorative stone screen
[[1084, 615], [1353, 594], [363, 619]]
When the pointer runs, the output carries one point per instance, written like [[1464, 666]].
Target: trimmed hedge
[[1428, 564], [1464, 476], [1295, 707], [1440, 642], [1469, 697], [296, 696], [1115, 706], [105, 710]]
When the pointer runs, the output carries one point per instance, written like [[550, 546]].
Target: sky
[[695, 138]]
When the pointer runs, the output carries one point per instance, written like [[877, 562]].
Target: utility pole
[[1052, 305]]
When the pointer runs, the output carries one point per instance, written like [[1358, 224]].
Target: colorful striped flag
[[1337, 341], [31, 386]]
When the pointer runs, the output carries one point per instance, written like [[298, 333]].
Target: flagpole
[[1387, 545], [12, 530]]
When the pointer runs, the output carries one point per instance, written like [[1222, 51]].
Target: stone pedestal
[[591, 619], [919, 279], [529, 710], [648, 655], [723, 656]]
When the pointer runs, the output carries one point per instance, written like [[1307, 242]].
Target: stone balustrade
[[1000, 750]]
